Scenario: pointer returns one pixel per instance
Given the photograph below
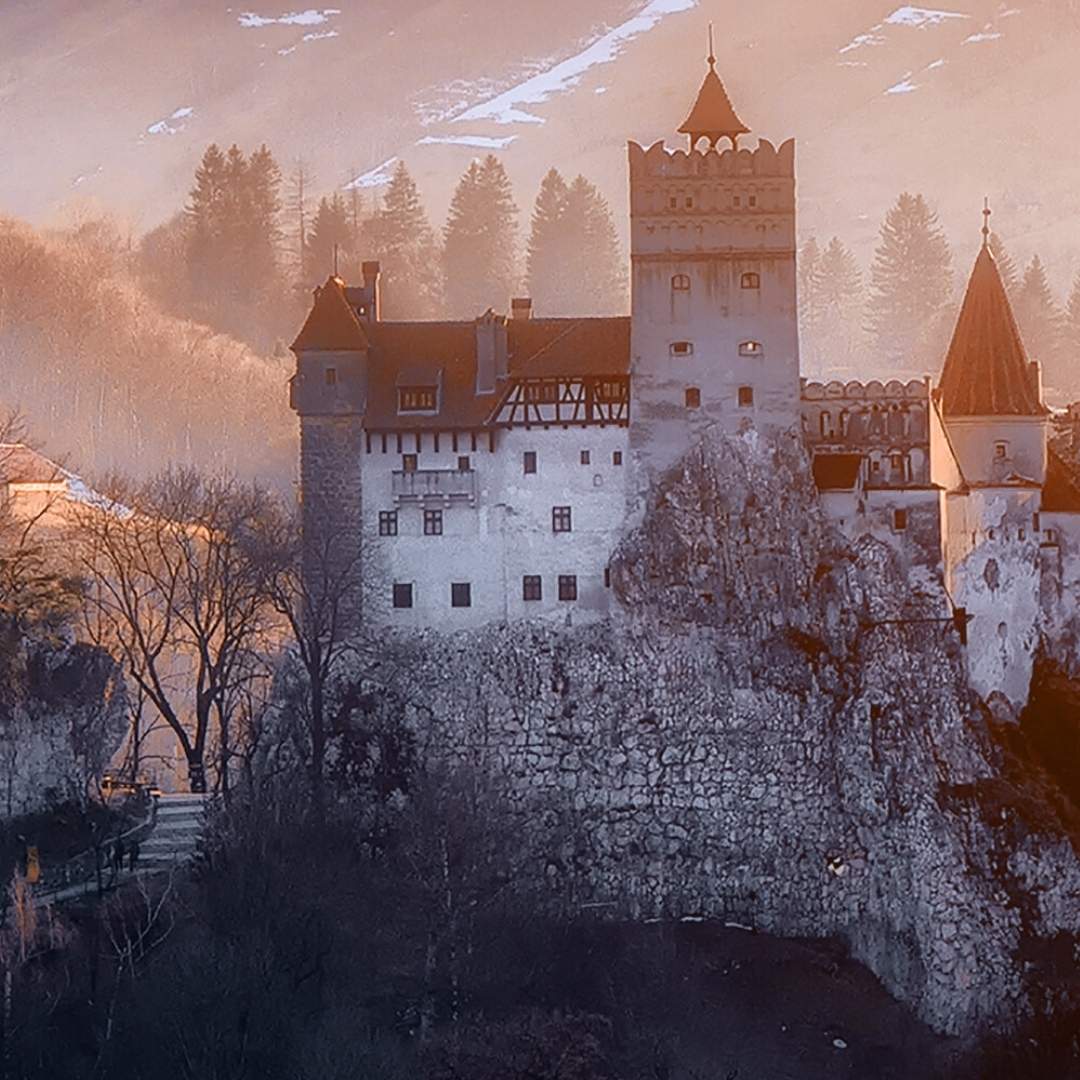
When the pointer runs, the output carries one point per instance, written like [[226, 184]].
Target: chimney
[[370, 271], [491, 352], [1035, 379], [521, 307]]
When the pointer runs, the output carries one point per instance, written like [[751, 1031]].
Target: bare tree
[[173, 586]]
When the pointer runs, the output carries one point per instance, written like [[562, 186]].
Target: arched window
[[750, 280], [751, 348], [825, 424], [680, 283]]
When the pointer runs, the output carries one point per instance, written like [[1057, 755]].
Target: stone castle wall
[[755, 744]]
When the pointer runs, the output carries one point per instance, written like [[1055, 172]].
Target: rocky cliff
[[772, 733]]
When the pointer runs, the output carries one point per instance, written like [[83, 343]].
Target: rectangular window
[[388, 523], [460, 594], [693, 397], [899, 520], [433, 523], [1001, 449], [753, 200], [560, 519], [568, 586], [531, 587], [402, 595], [529, 462], [897, 461], [585, 457], [331, 376], [464, 464], [746, 396], [409, 462], [681, 348], [417, 398], [607, 577], [616, 457]]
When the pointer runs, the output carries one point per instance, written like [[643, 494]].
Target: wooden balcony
[[434, 486]]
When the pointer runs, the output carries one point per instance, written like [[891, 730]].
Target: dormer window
[[750, 280], [751, 348], [418, 399], [680, 283], [681, 348]]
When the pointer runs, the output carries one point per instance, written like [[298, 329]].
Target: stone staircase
[[175, 836]]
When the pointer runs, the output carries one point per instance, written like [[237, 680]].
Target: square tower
[[714, 338]]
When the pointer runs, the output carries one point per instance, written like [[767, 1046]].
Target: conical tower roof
[[331, 325], [712, 116], [986, 371]]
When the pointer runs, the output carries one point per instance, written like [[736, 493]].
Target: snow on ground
[[482, 142], [904, 86], [922, 17], [507, 107], [310, 17], [983, 35], [172, 124], [376, 177], [321, 36]]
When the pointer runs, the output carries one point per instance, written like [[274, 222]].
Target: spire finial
[[712, 54], [335, 260], [986, 222]]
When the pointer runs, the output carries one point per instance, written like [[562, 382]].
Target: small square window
[[460, 594], [899, 520], [1001, 450], [532, 587], [331, 376], [681, 348], [693, 397], [750, 280], [433, 523], [560, 519], [746, 397], [464, 464], [616, 457], [388, 523], [680, 283], [568, 586], [408, 462], [529, 462], [402, 595], [585, 457]]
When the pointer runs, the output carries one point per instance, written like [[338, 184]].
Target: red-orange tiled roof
[[836, 472], [1061, 489], [443, 354], [331, 325], [712, 115], [986, 371]]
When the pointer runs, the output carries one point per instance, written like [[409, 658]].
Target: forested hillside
[[108, 381]]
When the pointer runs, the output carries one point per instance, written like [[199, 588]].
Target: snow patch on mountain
[[314, 36], [172, 124], [922, 17], [481, 142], [507, 107], [983, 35], [310, 17], [904, 86], [376, 177]]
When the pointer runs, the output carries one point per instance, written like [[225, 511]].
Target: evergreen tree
[[401, 238], [809, 277], [480, 241], [910, 287], [206, 213], [603, 288], [261, 229], [330, 240], [546, 252], [839, 298], [1006, 266], [1041, 323], [1071, 347]]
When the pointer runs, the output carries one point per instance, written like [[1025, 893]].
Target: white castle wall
[[506, 535], [704, 220]]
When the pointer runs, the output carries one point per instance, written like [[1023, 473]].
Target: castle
[[458, 473]]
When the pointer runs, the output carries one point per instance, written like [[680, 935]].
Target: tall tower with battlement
[[714, 338]]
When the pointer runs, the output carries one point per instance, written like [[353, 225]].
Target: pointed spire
[[713, 116], [986, 371], [331, 325]]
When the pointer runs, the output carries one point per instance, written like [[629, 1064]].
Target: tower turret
[[329, 392], [714, 338]]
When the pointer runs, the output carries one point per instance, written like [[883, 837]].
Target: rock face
[[768, 735]]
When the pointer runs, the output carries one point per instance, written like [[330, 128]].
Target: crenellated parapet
[[658, 162]]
